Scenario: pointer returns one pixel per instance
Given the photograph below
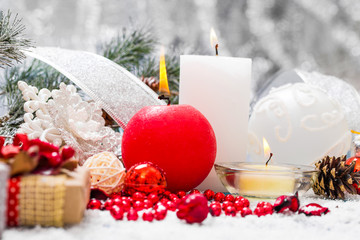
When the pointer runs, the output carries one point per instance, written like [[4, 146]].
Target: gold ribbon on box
[[42, 200]]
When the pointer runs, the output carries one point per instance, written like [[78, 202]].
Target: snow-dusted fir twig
[[12, 40]]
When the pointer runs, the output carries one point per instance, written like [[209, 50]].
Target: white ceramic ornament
[[301, 124]]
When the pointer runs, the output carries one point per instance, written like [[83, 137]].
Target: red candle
[[177, 138]]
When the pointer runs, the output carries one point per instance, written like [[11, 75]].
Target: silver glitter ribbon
[[119, 93], [4, 174]]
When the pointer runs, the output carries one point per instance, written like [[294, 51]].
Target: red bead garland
[[192, 207]]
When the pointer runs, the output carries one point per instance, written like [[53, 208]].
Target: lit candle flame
[[214, 40], [267, 150], [163, 84]]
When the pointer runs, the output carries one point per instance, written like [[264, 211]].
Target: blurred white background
[[322, 35]]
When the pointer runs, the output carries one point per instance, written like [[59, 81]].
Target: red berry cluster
[[193, 206]]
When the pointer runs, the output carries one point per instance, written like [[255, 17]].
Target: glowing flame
[[163, 84], [267, 149], [213, 38]]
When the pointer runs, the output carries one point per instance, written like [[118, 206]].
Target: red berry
[[138, 205], [229, 198], [132, 215], [172, 196], [117, 212], [160, 213], [138, 196], [171, 206], [148, 216], [117, 201], [108, 204], [245, 202], [181, 194], [230, 211], [67, 152], [263, 204], [225, 204], [154, 198], [246, 211], [219, 197], [166, 194], [193, 208], [147, 204], [54, 159], [259, 212], [268, 209], [125, 204], [238, 198], [194, 191], [215, 209], [164, 201], [160, 205], [116, 195], [209, 194], [94, 204], [239, 205]]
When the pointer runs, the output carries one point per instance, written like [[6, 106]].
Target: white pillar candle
[[219, 87]]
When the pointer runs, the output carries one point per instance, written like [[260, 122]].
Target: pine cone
[[334, 178], [152, 82]]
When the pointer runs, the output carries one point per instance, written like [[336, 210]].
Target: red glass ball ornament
[[108, 204], [215, 209], [132, 215], [181, 194], [209, 194], [117, 212], [177, 138], [230, 211], [357, 162], [193, 208], [153, 197], [229, 198], [145, 178], [246, 211], [219, 197], [148, 216], [94, 204]]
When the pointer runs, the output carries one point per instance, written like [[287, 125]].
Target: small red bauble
[[144, 177], [245, 211], [245, 202], [138, 196], [148, 216], [171, 206], [94, 204], [259, 211], [177, 138], [153, 197], [263, 204], [132, 215], [160, 213], [138, 205], [357, 162], [181, 194], [219, 197], [125, 204], [225, 204], [194, 191], [147, 204], [215, 209], [193, 208], [209, 194], [239, 205], [268, 209], [117, 212], [230, 211], [229, 198], [238, 198], [108, 204]]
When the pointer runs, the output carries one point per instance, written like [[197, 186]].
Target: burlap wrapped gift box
[[48, 200]]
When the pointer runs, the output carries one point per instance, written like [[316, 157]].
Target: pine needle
[[12, 40]]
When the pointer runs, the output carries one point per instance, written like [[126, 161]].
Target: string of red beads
[[156, 205]]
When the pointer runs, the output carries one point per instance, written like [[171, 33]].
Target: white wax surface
[[219, 87]]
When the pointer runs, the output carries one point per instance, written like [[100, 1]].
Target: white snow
[[342, 222]]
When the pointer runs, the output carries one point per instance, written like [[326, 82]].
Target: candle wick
[[163, 97], [216, 49], [268, 159]]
